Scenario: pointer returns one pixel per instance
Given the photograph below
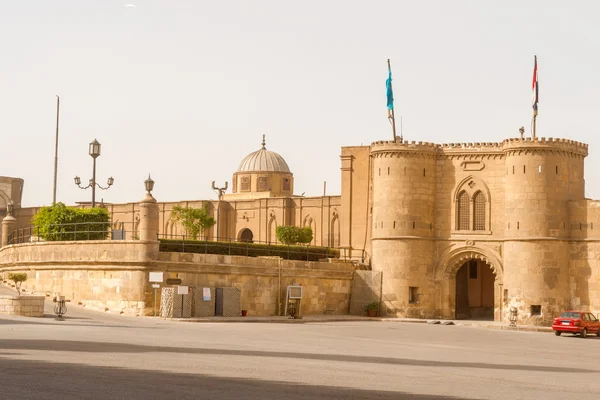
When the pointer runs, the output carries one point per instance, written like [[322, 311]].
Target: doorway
[[475, 291], [246, 235]]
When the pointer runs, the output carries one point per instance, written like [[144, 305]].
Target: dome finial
[[264, 143]]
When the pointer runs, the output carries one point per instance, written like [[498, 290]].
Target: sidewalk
[[351, 318]]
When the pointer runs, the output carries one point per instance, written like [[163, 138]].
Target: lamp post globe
[[149, 183], [95, 149]]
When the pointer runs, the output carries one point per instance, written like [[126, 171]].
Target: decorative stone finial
[[522, 131], [264, 143], [9, 209]]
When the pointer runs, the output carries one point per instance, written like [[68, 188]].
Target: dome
[[263, 160]]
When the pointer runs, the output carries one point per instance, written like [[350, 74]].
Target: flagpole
[[56, 150], [535, 110], [392, 110]]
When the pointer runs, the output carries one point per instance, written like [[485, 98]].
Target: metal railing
[[73, 232], [254, 248]]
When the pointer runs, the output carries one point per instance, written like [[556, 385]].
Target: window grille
[[479, 212], [463, 212]]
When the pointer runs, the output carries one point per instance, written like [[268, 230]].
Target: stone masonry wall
[[115, 276], [27, 306]]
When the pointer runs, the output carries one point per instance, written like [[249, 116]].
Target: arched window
[[463, 212], [479, 212]]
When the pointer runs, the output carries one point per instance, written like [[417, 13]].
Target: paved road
[[95, 355]]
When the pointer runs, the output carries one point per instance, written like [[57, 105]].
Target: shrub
[[59, 222], [18, 278], [194, 220], [293, 234]]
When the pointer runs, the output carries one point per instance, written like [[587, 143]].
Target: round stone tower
[[403, 225], [542, 176]]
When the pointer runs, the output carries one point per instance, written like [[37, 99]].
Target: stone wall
[[27, 306], [114, 276], [263, 280]]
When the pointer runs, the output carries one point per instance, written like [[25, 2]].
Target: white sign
[[156, 277], [206, 294], [155, 286], [183, 290]]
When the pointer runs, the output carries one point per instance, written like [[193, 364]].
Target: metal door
[[219, 302]]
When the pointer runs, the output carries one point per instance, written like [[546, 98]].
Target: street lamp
[[94, 151]]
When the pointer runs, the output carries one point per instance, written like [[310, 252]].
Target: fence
[[74, 231], [231, 247]]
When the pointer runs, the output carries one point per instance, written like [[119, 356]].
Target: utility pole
[[56, 150]]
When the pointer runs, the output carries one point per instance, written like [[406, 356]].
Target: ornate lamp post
[[94, 151], [220, 190]]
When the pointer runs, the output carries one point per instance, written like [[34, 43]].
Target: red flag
[[535, 88]]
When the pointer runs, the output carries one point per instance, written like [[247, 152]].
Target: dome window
[[245, 184], [263, 183]]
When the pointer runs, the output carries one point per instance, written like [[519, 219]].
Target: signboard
[[155, 286], [173, 281], [294, 292], [183, 290], [156, 277], [206, 294]]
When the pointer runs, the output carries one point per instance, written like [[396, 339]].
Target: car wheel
[[598, 333], [584, 333], [557, 333]]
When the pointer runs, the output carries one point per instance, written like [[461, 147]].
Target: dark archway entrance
[[246, 235], [475, 291]]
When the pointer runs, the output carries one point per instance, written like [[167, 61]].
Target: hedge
[[59, 222], [303, 253]]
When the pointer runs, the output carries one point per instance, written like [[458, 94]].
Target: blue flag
[[389, 92]]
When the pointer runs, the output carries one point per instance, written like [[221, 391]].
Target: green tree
[[18, 278], [293, 234], [194, 220], [59, 222]]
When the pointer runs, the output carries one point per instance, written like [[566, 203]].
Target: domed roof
[[263, 160]]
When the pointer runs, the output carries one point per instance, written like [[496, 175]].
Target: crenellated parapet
[[471, 150], [558, 146], [403, 149]]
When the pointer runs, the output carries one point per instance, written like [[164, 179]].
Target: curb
[[308, 320]]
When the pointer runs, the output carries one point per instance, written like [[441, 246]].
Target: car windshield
[[570, 315]]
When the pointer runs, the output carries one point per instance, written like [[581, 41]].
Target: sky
[[183, 90]]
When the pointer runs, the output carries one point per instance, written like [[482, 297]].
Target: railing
[[73, 231], [254, 248]]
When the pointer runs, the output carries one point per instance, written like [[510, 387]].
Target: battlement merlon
[[414, 147], [512, 144], [551, 144]]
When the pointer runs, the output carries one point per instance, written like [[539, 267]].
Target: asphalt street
[[94, 355]]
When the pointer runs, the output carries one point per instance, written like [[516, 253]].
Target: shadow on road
[[103, 347], [35, 379]]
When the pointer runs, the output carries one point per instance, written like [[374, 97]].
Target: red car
[[576, 322]]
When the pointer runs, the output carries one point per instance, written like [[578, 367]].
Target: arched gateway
[[470, 279]]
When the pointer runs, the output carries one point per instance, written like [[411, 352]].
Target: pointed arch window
[[472, 206], [464, 220], [479, 212]]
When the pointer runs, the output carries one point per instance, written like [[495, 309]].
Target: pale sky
[[183, 90]]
